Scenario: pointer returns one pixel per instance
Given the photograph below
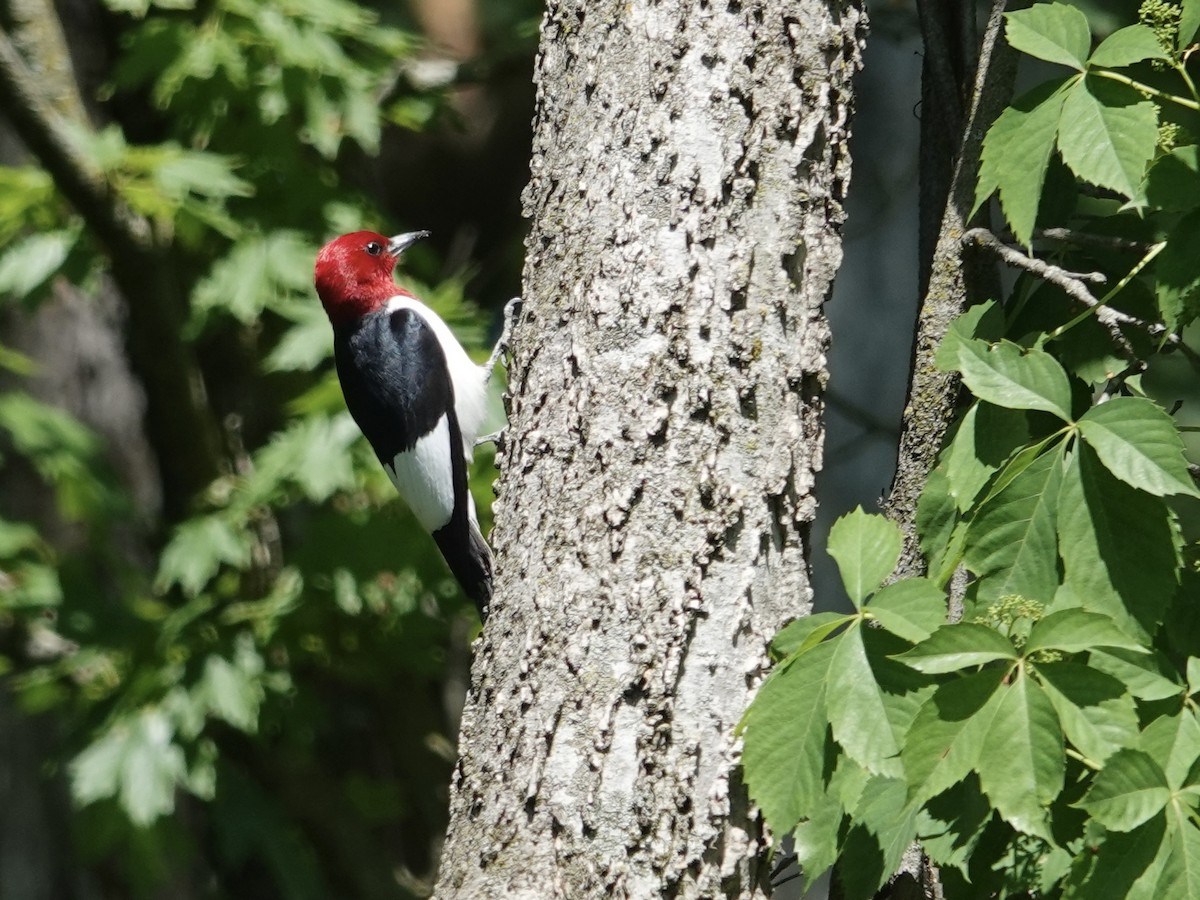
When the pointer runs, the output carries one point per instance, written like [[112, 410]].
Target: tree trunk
[[689, 166]]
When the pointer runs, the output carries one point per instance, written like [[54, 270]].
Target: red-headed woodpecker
[[413, 391]]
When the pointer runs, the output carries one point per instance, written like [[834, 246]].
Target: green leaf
[[1016, 156], [1173, 742], [986, 437], [305, 345], [1126, 865], [815, 841], [1177, 288], [1077, 630], [1011, 544], [857, 711], [960, 646], [946, 738], [884, 825], [1010, 376], [806, 632], [937, 519], [1054, 32], [196, 552], [29, 263], [1189, 23], [1097, 714], [866, 548], [1126, 46], [1173, 182], [1129, 574], [984, 321], [1137, 441], [1129, 790], [785, 734], [262, 271], [231, 693], [951, 825], [1022, 763], [313, 454], [137, 762], [911, 609], [1181, 875], [1148, 676], [1107, 134]]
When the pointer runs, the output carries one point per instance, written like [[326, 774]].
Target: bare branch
[[1072, 284], [44, 133], [179, 423], [1082, 238]]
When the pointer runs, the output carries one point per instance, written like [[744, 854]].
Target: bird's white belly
[[424, 476]]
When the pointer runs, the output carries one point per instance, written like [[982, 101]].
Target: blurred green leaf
[[197, 551]]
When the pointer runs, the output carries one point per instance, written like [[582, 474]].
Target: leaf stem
[[1103, 301], [1187, 79], [1146, 89], [1075, 754]]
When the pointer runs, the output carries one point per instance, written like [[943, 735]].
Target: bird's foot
[[501, 348], [489, 438]]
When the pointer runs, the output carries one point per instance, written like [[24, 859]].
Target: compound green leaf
[[1189, 23], [1173, 741], [912, 609], [1016, 155], [857, 710], [1014, 377], [1181, 874], [1022, 763], [1055, 32], [1011, 544], [1127, 865], [1097, 714], [960, 646], [1107, 134], [946, 738], [1126, 46], [806, 632], [866, 548], [1077, 630], [197, 551], [785, 734], [985, 438], [1137, 441], [884, 826], [1129, 790], [1148, 676], [1127, 573]]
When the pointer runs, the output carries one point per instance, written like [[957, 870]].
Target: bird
[[413, 391]]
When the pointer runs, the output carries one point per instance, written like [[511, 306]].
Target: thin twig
[[1070, 283], [1083, 238]]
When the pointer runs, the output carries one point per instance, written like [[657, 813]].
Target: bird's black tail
[[470, 560]]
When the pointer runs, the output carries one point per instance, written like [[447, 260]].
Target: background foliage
[[253, 697], [1045, 742]]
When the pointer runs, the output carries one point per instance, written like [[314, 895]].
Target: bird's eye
[[374, 248]]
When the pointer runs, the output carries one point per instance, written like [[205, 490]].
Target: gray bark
[[655, 501]]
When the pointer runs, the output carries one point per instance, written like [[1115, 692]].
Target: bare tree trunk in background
[[689, 166]]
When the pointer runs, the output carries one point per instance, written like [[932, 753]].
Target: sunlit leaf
[[866, 548], [1137, 441], [1055, 32]]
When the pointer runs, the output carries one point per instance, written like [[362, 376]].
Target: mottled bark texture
[[689, 165], [952, 280]]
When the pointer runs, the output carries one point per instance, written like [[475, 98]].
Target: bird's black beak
[[401, 242]]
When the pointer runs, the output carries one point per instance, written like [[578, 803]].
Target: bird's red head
[[353, 273]]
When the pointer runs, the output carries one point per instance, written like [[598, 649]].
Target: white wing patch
[[424, 476], [470, 388]]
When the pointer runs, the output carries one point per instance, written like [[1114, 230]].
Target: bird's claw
[[501, 348]]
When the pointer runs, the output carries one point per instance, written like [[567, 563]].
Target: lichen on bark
[[690, 162]]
